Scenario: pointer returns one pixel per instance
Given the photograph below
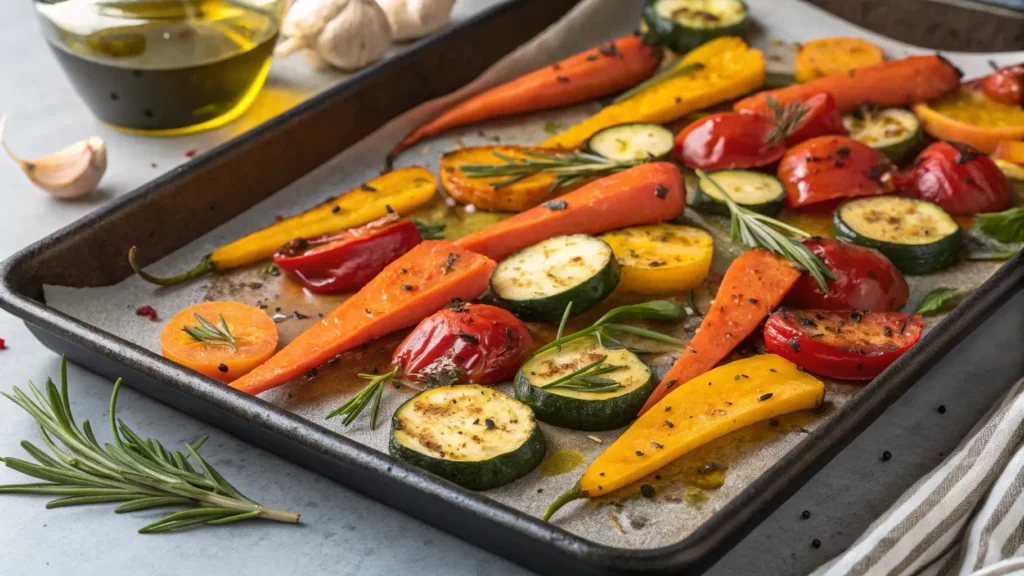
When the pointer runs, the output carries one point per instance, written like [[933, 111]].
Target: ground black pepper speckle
[[805, 514], [816, 543], [647, 490], [886, 455], [942, 409]]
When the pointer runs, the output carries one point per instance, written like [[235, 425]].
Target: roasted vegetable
[[753, 286], [400, 191], [411, 288], [829, 168], [887, 84], [661, 258], [495, 193], [222, 340], [894, 132], [631, 142], [864, 280], [729, 140], [846, 345], [646, 194], [682, 25], [473, 436], [971, 117], [917, 236], [698, 411], [960, 179], [599, 71], [728, 68], [827, 56], [757, 191]]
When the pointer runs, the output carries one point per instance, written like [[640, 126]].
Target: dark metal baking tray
[[195, 198]]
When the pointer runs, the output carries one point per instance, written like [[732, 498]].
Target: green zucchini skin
[[658, 147], [705, 202], [680, 38], [595, 414], [550, 308], [474, 475], [914, 259], [900, 148]]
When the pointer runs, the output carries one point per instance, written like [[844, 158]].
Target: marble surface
[[343, 532]]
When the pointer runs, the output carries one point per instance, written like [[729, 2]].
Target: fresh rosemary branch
[[212, 335], [760, 231], [138, 472], [658, 79], [568, 168], [373, 392], [588, 378], [605, 330], [430, 230], [785, 117]]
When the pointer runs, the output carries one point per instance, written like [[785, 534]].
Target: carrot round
[[600, 71], [480, 192], [888, 84], [414, 286], [224, 354], [753, 286], [826, 56], [645, 194]]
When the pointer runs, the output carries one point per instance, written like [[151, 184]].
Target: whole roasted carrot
[[600, 71], [411, 288], [888, 84], [753, 286], [645, 194]]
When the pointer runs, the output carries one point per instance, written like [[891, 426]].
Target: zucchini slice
[[918, 236], [682, 25], [894, 132], [472, 435], [578, 409], [661, 258], [757, 191], [632, 142], [537, 283]]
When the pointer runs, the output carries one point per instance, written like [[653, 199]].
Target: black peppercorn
[[222, 367], [647, 490], [886, 455], [942, 409], [805, 514], [816, 543]]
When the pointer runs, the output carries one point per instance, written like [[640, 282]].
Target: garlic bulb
[[412, 19], [348, 34], [70, 172]]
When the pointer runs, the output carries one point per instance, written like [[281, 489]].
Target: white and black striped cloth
[[965, 517]]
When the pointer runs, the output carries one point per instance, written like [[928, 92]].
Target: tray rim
[[766, 492]]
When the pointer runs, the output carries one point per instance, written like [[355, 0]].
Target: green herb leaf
[[588, 378], [568, 168], [551, 128], [272, 270], [430, 230], [935, 300], [654, 310], [604, 328], [135, 470], [373, 392], [212, 335], [1006, 226], [760, 231], [981, 246]]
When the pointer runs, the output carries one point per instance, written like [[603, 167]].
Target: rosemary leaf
[[212, 335], [568, 168], [372, 392]]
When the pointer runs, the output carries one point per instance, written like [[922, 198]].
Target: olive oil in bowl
[[164, 67]]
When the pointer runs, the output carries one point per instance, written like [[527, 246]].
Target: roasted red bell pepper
[[1005, 85], [959, 178], [847, 345], [346, 262], [829, 168], [463, 343], [864, 280], [730, 140], [820, 118]]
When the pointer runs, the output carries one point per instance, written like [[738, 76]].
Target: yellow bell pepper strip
[[1009, 151], [661, 258], [401, 191], [708, 407], [727, 69], [971, 117]]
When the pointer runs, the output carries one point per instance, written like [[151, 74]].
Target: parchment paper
[[684, 497]]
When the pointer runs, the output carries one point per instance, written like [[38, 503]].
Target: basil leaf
[[935, 300], [654, 310]]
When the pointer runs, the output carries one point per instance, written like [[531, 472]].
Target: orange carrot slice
[[480, 192], [888, 84], [254, 333], [411, 288], [600, 71], [753, 286], [645, 194], [826, 56]]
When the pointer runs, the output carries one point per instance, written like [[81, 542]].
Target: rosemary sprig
[[568, 168], [430, 230], [138, 472], [785, 117], [760, 231], [212, 335], [373, 392], [588, 378], [658, 79], [607, 329]]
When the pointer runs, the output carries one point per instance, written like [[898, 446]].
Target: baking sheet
[[685, 496]]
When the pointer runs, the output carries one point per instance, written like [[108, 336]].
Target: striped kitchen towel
[[965, 517]]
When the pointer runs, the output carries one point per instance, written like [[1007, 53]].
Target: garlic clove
[[412, 19], [357, 37], [70, 172]]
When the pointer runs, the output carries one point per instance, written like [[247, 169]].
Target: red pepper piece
[[959, 178], [347, 261], [729, 140], [847, 345], [146, 311], [865, 280], [464, 343], [829, 168], [822, 118], [1005, 85]]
